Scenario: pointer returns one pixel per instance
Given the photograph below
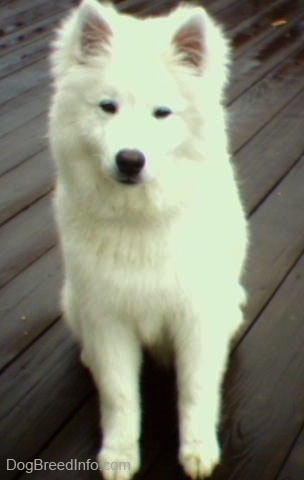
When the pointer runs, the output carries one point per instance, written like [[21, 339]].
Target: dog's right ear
[[94, 28], [84, 34]]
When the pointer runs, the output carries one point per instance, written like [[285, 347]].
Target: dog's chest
[[140, 278]]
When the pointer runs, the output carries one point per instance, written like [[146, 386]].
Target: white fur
[[158, 263]]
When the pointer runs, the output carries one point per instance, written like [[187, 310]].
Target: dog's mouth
[[129, 180]]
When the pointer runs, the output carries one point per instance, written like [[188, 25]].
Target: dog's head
[[137, 95]]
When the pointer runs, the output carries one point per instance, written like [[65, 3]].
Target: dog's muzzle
[[129, 164]]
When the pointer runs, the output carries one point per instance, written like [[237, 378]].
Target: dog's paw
[[198, 459], [120, 463]]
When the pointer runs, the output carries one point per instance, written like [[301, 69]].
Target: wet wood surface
[[48, 405]]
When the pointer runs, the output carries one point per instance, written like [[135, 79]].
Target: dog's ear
[[189, 38], [87, 32], [95, 30]]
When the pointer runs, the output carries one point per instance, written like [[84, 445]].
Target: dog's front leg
[[200, 366], [115, 361]]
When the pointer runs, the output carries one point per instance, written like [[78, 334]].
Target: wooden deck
[[48, 406]]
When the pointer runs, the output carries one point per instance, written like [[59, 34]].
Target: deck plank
[[48, 370], [294, 464], [265, 99], [25, 184], [29, 304], [20, 110], [260, 25], [271, 153], [32, 141], [261, 417], [21, 24], [265, 56], [66, 446], [28, 78], [277, 239], [26, 238]]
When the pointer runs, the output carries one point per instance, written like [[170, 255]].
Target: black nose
[[130, 162]]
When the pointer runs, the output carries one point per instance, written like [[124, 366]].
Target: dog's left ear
[[189, 39]]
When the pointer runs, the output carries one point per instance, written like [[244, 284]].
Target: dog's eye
[[109, 106], [162, 112]]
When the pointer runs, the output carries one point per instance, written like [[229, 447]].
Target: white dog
[[152, 228]]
